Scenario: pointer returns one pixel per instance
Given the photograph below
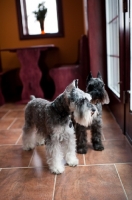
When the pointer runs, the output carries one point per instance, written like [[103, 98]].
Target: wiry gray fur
[[95, 87], [50, 123]]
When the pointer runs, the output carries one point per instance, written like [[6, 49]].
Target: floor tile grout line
[[103, 136], [18, 139], [1, 145], [10, 144], [13, 129], [54, 187], [105, 164], [33, 167], [31, 157], [121, 182], [128, 141], [6, 114], [84, 160], [92, 165], [13, 117], [12, 110], [11, 123]]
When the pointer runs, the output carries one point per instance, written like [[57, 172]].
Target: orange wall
[[73, 29]]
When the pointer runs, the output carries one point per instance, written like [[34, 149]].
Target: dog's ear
[[74, 84], [99, 76], [88, 96], [106, 99], [89, 77]]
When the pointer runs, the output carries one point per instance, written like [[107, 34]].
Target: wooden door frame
[[128, 113], [117, 104]]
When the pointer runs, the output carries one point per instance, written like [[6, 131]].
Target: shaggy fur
[[50, 123], [95, 87]]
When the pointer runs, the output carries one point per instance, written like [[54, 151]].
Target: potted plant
[[40, 15]]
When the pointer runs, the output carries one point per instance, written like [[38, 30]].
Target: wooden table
[[30, 73]]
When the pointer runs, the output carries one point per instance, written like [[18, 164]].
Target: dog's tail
[[32, 97]]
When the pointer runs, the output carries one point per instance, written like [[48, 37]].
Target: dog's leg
[[29, 137], [81, 136], [96, 135], [69, 149], [54, 155]]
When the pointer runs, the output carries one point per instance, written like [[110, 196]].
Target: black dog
[[96, 88]]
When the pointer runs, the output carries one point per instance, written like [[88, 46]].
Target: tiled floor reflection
[[24, 175], [92, 182]]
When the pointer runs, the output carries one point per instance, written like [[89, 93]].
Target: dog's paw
[[82, 150], [40, 143], [72, 162], [40, 140], [57, 170], [28, 147], [98, 147]]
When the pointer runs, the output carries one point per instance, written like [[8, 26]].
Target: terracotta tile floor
[[105, 175]]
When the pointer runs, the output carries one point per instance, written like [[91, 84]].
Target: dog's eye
[[88, 104], [103, 85]]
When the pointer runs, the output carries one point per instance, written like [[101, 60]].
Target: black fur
[[95, 87]]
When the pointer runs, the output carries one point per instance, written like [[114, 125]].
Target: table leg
[[30, 73]]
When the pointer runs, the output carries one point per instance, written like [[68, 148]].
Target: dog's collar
[[61, 113]]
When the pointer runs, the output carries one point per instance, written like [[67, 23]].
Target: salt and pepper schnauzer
[[95, 87], [50, 123]]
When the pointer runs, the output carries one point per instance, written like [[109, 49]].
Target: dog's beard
[[72, 106], [106, 99], [75, 96], [84, 116]]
